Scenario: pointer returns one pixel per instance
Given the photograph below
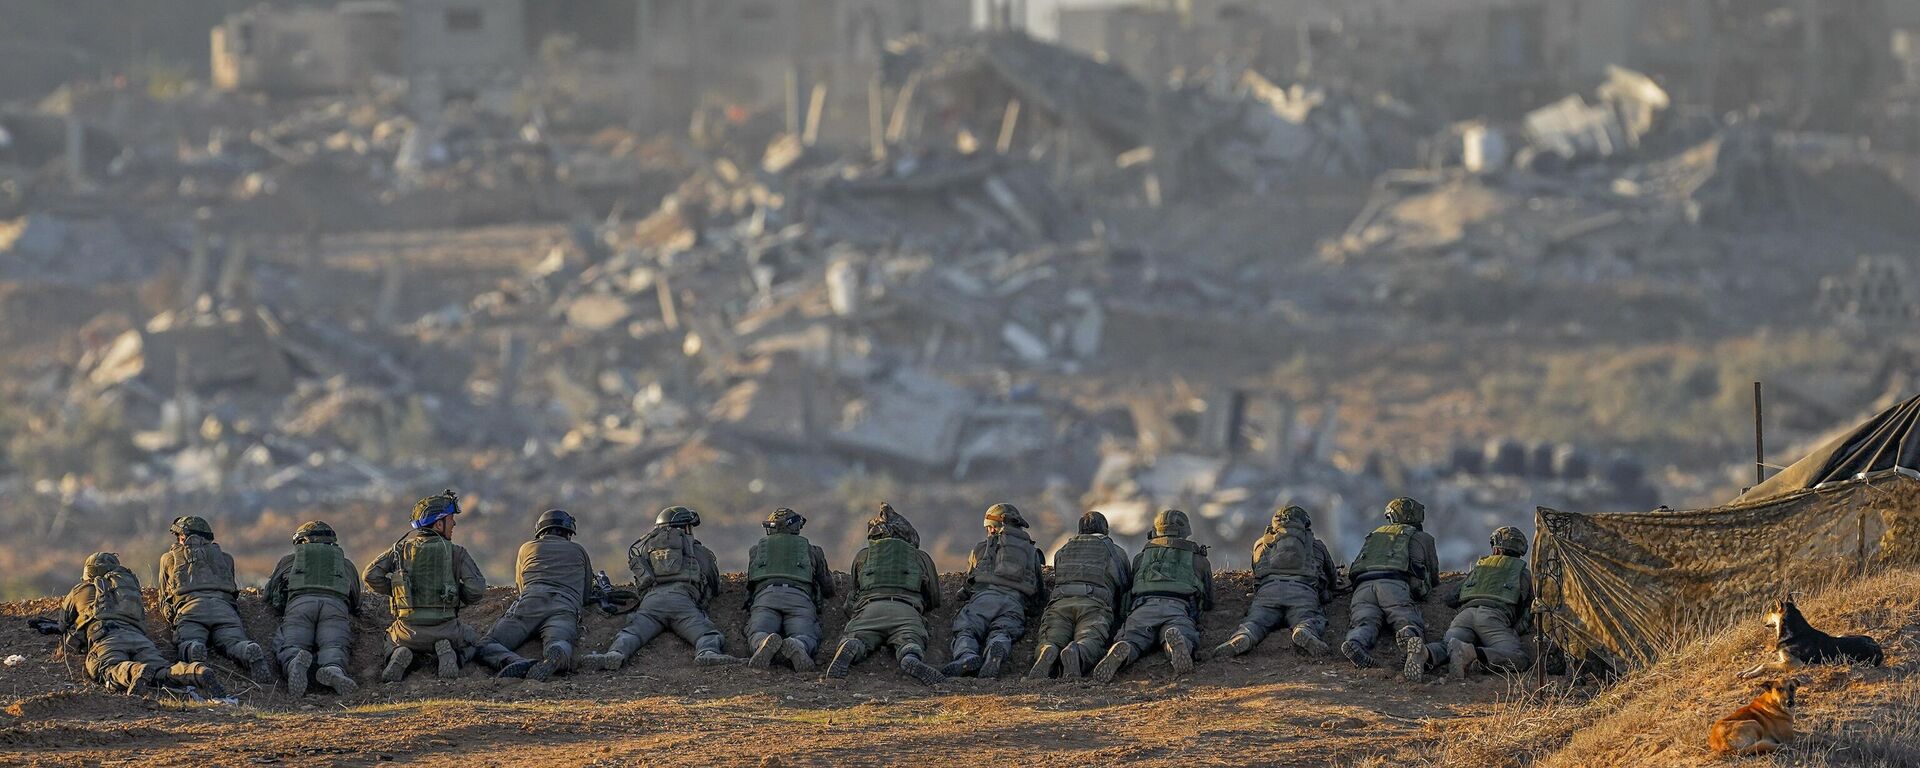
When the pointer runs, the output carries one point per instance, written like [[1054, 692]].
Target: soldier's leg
[[1179, 636], [692, 625], [1006, 627], [909, 637], [1500, 646], [497, 649], [297, 631], [1262, 615], [1140, 632], [1092, 631], [1455, 649], [863, 633], [969, 628], [1054, 633], [1409, 625], [1365, 617], [113, 667], [190, 639], [332, 634], [763, 618], [801, 626], [557, 637], [1301, 609], [643, 625]]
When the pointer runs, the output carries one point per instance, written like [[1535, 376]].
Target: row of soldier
[[1101, 613]]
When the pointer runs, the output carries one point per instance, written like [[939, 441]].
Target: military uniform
[[1172, 586], [1295, 579], [1091, 573], [104, 617], [316, 591], [1395, 571], [677, 577], [555, 578], [1005, 585], [787, 577], [1495, 605], [197, 593], [894, 586], [428, 579]]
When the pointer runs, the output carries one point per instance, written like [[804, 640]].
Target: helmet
[[1292, 514], [1093, 522], [678, 517], [101, 563], [192, 524], [554, 518], [888, 524], [1172, 523], [314, 532], [784, 520], [433, 509], [1406, 511], [1509, 538], [1006, 514]]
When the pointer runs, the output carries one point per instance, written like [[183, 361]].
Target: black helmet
[[554, 518], [1509, 538], [1093, 522], [314, 532], [192, 524], [784, 520], [678, 517], [1006, 514]]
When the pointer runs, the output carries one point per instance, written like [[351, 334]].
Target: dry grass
[[1847, 715]]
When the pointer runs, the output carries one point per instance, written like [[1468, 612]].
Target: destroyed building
[[306, 50]]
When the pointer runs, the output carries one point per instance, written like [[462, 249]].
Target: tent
[[1621, 587]]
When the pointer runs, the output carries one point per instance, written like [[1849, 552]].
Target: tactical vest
[[786, 557], [319, 569], [667, 554], [1386, 549], [1496, 578], [425, 590], [1009, 562], [1289, 552], [892, 567], [1167, 569], [1086, 559], [116, 597], [198, 567]]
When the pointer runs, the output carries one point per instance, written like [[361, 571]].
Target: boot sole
[[1180, 653], [338, 681], [1108, 667], [764, 655], [1459, 655], [1416, 662], [797, 656], [922, 672], [397, 664], [1313, 646], [448, 664], [297, 673], [995, 659], [1043, 664], [1071, 667]]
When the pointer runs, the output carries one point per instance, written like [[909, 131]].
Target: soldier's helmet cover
[[784, 520], [1406, 511], [1093, 522], [100, 564], [192, 524], [1005, 514], [1292, 514], [1511, 539], [1172, 523], [314, 532]]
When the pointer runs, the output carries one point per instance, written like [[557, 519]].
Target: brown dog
[[1759, 727]]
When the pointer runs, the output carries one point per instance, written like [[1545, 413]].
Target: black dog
[[1796, 643]]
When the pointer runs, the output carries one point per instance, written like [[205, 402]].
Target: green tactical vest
[[198, 567], [892, 566], [1386, 549], [668, 556], [116, 597], [426, 591], [1166, 570], [1009, 562], [784, 556], [319, 568], [1086, 559], [1496, 578], [1288, 552]]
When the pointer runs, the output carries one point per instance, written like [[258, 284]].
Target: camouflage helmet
[[1510, 539], [888, 524], [677, 517], [433, 509], [1093, 522], [192, 525], [1406, 511], [784, 520], [1006, 514], [554, 518], [314, 532], [100, 564], [1172, 523], [1292, 514]]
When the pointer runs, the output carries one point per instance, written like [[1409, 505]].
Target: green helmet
[[678, 517], [1406, 511], [1510, 539], [554, 518], [101, 563], [1093, 522], [1006, 514], [192, 524], [784, 520], [1292, 514], [431, 509], [314, 532], [1172, 523]]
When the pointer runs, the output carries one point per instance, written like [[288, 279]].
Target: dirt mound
[[78, 704]]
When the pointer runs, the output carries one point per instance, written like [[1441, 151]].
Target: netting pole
[[1759, 440]]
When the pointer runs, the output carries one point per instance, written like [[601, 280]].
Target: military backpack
[[785, 557], [1386, 549], [426, 591], [1166, 569], [199, 566], [116, 597], [319, 569], [1288, 552], [1010, 561], [664, 556], [1086, 559], [1496, 578]]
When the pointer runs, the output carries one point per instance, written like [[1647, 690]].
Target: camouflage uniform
[[894, 585], [1495, 602], [316, 592], [1395, 571], [1005, 585], [1092, 574], [428, 579], [677, 577], [197, 591], [1296, 576], [103, 616], [787, 577], [554, 576], [1172, 586]]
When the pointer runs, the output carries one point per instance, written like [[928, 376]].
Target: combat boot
[[769, 648], [260, 669], [193, 650], [1234, 646], [715, 659], [1416, 663], [1460, 654], [194, 675], [1118, 656], [297, 673], [1179, 650], [1043, 661], [998, 649], [1357, 653], [447, 661], [333, 677], [553, 660], [962, 665], [516, 669], [1309, 642], [605, 662], [796, 653], [920, 670], [844, 656], [1072, 664], [397, 663]]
